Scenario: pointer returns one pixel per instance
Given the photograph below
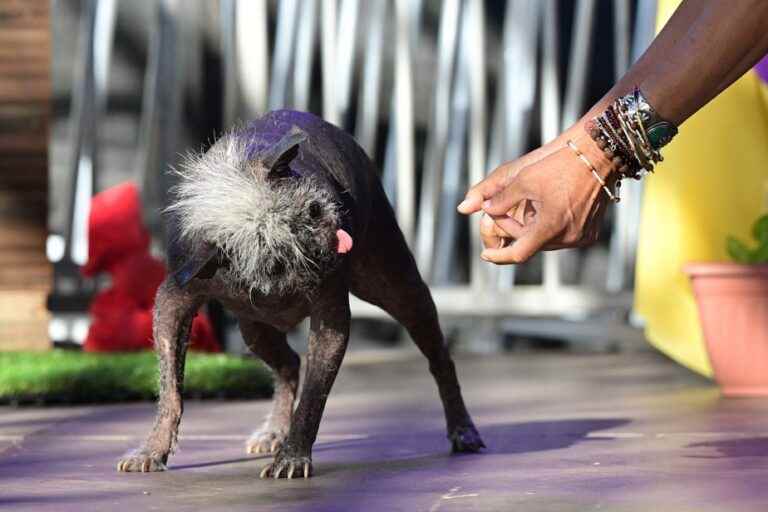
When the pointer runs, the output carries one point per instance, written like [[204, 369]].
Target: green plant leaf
[[760, 255], [760, 229], [738, 252]]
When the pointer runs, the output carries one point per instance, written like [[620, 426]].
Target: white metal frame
[[460, 147]]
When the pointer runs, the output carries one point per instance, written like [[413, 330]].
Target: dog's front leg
[[174, 311], [328, 338]]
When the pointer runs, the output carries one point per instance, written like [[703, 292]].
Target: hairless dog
[[281, 219]]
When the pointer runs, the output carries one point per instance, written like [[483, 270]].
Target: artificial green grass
[[74, 377]]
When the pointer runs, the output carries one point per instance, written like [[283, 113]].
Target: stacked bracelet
[[631, 134]]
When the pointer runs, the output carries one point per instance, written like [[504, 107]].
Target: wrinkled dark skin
[[380, 269]]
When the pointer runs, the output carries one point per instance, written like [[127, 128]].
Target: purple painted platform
[[628, 432]]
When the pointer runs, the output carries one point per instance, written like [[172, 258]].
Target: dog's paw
[[466, 439], [140, 461], [286, 466], [265, 441]]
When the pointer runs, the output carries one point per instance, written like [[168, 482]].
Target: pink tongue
[[345, 242]]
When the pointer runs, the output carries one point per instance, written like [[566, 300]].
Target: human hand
[[548, 203], [498, 179]]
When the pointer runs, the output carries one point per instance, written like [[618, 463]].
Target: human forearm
[[555, 196], [705, 46]]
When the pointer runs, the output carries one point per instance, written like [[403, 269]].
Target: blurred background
[[438, 93], [99, 98]]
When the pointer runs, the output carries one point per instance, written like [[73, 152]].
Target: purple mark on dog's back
[[265, 131]]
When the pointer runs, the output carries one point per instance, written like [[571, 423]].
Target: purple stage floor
[[626, 432]]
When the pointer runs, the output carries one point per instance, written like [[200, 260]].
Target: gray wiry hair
[[278, 234]]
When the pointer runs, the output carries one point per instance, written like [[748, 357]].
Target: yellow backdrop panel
[[713, 182]]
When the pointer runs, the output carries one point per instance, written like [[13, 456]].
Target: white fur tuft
[[264, 228]]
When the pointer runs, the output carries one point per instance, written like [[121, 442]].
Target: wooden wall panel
[[25, 90]]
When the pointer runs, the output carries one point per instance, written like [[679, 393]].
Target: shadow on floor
[[65, 501], [212, 463], [505, 438], [418, 449], [734, 448], [536, 436], [409, 450]]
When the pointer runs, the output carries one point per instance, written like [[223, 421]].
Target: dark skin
[[547, 199], [174, 310], [379, 269]]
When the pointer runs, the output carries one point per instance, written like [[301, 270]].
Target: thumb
[[506, 200]]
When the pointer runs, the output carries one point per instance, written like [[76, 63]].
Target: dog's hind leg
[[271, 346], [386, 276]]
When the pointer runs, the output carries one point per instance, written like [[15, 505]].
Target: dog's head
[[270, 228]]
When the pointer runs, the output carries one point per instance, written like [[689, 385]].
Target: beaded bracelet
[[613, 197], [612, 148], [631, 133]]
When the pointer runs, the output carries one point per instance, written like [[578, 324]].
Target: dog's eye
[[282, 172], [277, 269], [314, 209]]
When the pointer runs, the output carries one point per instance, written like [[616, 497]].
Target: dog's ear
[[202, 263], [278, 157]]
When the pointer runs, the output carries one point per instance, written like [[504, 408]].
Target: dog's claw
[[287, 467], [139, 461], [265, 442]]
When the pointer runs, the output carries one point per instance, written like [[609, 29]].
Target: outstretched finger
[[491, 185]]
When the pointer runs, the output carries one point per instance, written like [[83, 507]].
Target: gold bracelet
[[591, 167], [655, 153]]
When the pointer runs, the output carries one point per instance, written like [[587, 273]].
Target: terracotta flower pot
[[733, 308]]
